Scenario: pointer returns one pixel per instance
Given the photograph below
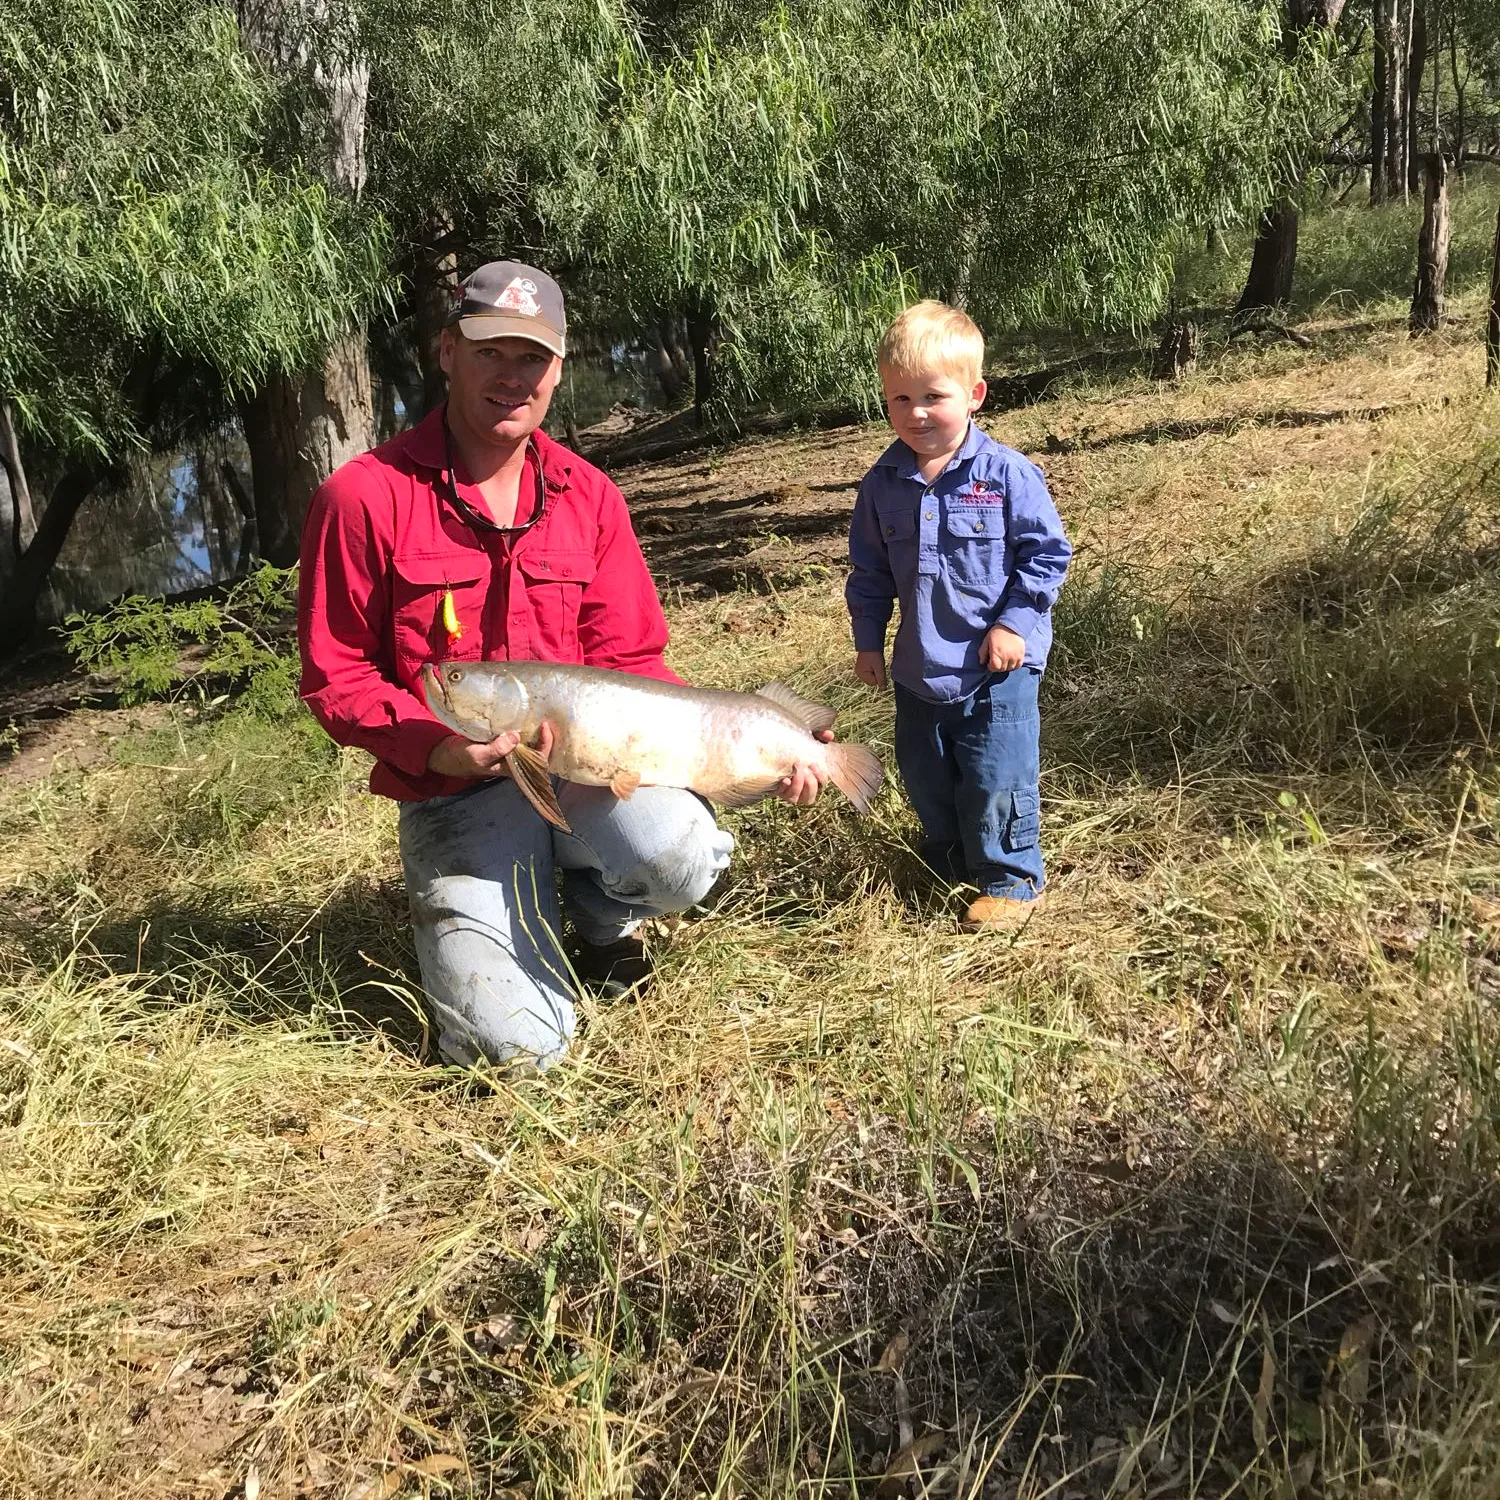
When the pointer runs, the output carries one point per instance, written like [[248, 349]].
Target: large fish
[[621, 731]]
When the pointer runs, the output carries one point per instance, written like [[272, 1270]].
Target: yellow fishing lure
[[450, 617]]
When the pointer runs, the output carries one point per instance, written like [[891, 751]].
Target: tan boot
[[999, 914]]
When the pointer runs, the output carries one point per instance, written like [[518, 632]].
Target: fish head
[[477, 699]]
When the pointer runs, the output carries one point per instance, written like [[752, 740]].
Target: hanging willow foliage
[[803, 171], [142, 219]]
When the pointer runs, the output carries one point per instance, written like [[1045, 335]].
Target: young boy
[[963, 532]]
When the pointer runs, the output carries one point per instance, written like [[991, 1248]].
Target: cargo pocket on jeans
[[1023, 829]]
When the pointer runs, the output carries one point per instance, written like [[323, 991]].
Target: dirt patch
[[51, 714]]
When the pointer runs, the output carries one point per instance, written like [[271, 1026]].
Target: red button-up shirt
[[383, 543]]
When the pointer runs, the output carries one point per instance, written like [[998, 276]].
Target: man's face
[[930, 412], [498, 389]]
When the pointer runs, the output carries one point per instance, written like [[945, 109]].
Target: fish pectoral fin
[[743, 793], [529, 772], [625, 784], [813, 717]]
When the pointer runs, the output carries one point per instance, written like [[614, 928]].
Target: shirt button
[[890, 531], [979, 526], [926, 515]]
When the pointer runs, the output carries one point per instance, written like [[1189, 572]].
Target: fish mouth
[[434, 691]]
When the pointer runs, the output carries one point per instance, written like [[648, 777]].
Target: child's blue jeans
[[972, 770]]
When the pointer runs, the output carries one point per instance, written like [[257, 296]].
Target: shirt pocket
[[898, 529], [974, 546], [555, 581], [420, 579]]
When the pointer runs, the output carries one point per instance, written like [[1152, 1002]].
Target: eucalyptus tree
[[152, 262]]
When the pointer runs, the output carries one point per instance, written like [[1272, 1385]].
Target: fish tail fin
[[855, 772]]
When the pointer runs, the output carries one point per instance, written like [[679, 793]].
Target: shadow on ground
[[349, 961], [1133, 1307]]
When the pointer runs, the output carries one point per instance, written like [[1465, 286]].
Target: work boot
[[999, 914], [612, 970]]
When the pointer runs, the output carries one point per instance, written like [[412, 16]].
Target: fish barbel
[[621, 731]]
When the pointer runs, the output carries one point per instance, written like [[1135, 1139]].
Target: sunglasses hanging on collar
[[477, 519]]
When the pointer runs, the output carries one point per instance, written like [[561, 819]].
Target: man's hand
[[869, 667], [456, 756], [1002, 650], [801, 788]]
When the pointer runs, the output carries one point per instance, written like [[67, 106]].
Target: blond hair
[[933, 338]]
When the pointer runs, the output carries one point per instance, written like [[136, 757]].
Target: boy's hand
[[869, 667], [1002, 650], [801, 788]]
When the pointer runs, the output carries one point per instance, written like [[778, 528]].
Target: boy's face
[[930, 412]]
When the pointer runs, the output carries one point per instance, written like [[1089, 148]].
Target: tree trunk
[[1492, 323], [28, 578], [669, 360], [1377, 103], [1177, 354], [1432, 248], [1388, 132], [300, 428], [219, 529], [235, 486], [1416, 71], [10, 552], [966, 253], [1273, 263], [434, 285], [702, 327], [24, 525], [1460, 89], [1395, 101]]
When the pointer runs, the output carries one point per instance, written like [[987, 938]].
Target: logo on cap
[[520, 296]]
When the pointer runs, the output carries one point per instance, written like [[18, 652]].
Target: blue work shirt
[[980, 545]]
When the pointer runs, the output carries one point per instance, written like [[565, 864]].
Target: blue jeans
[[972, 770], [480, 878]]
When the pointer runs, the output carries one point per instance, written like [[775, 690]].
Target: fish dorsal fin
[[813, 717]]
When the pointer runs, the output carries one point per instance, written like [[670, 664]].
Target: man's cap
[[506, 299]]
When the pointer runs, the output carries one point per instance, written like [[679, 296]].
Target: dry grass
[[1189, 1190]]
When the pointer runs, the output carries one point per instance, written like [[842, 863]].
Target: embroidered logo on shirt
[[520, 296], [979, 492]]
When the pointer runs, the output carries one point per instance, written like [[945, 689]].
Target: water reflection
[[185, 520]]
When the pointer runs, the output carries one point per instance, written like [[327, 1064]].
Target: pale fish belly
[[748, 744], [608, 727]]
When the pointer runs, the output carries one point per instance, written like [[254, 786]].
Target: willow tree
[[151, 263], [788, 174], [476, 109], [1306, 36], [703, 196]]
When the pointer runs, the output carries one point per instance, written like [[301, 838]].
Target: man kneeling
[[474, 536]]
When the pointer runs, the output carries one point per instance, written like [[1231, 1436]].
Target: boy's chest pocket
[[974, 547], [899, 531], [421, 632]]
